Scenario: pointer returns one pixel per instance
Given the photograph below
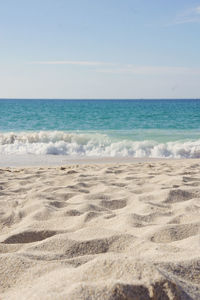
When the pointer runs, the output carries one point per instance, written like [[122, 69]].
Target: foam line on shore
[[93, 145]]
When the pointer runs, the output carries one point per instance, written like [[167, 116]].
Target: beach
[[101, 231], [99, 150]]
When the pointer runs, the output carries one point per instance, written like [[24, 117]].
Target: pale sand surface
[[101, 231]]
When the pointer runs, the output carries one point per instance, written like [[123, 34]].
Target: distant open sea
[[101, 128]]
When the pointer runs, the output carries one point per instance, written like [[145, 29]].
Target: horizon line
[[152, 98]]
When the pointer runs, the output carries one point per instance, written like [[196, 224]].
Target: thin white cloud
[[117, 68], [70, 62], [150, 70], [198, 10], [189, 16]]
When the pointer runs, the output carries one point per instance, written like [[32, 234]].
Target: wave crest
[[93, 145]]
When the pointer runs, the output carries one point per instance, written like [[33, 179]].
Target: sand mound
[[116, 232]]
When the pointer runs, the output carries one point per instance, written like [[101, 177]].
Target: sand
[[101, 231]]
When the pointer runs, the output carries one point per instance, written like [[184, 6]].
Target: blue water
[[138, 128]]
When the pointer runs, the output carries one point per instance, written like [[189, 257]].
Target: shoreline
[[29, 160]]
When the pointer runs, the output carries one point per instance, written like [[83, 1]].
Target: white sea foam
[[93, 145]]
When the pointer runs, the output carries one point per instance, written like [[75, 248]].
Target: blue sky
[[99, 49]]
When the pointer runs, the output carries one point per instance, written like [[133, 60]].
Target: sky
[[77, 49]]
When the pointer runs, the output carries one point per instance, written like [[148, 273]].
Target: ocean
[[101, 128]]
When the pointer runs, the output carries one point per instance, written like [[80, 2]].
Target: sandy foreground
[[101, 231]]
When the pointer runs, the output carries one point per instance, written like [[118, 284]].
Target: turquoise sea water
[[136, 128]]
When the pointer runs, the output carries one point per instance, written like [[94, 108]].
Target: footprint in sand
[[179, 195], [29, 237], [114, 204], [175, 233]]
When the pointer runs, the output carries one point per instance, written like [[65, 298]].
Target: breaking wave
[[93, 145]]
